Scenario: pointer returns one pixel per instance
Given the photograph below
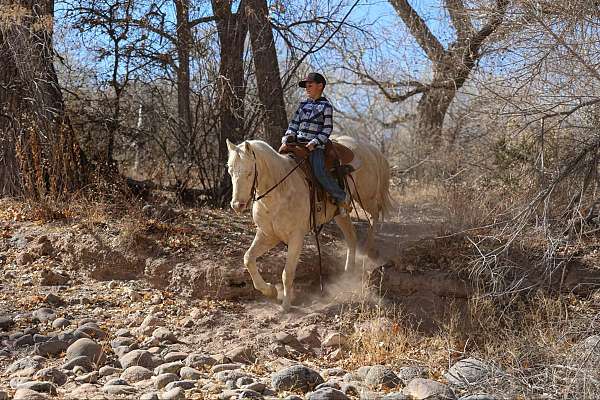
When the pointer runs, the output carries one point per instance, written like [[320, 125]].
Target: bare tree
[[232, 28], [450, 67], [270, 90], [38, 153]]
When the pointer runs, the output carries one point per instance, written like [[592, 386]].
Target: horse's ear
[[247, 147], [230, 146]]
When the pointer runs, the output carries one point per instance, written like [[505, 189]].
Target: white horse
[[283, 215]]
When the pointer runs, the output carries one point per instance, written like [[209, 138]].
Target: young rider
[[312, 124]]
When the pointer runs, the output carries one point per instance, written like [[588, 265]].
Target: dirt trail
[[196, 259]]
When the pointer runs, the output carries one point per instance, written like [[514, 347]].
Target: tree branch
[[460, 19], [202, 20], [394, 98], [419, 30], [494, 21]]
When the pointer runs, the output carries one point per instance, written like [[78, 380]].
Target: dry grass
[[533, 339], [532, 344]]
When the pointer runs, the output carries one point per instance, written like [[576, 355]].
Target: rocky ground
[[156, 305]]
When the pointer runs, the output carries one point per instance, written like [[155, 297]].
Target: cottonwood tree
[[39, 155], [266, 66], [451, 65]]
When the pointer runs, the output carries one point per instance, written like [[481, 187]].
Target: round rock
[[327, 393], [6, 322], [50, 348], [53, 375], [176, 393], [93, 330], [172, 367], [28, 394], [199, 361], [29, 363], [296, 377], [122, 341], [249, 394], [136, 373], [60, 323], [118, 389], [88, 348], [43, 314], [224, 367], [406, 374], [382, 376], [181, 384], [420, 389], [142, 358], [467, 372], [230, 375], [163, 380], [108, 370], [38, 386], [25, 340], [164, 335], [80, 361], [190, 373], [175, 356]]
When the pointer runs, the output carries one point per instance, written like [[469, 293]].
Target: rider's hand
[[311, 146]]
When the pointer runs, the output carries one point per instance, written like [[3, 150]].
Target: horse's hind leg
[[260, 245], [345, 224], [370, 247]]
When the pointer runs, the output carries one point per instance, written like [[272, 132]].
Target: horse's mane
[[277, 164]]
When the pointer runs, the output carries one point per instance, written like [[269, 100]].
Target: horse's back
[[372, 179]]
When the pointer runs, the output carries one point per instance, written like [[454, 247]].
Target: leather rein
[[255, 180]]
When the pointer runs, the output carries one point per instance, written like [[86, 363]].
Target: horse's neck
[[271, 170]]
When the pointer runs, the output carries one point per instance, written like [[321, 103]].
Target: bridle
[[255, 180]]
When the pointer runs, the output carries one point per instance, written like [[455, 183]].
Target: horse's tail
[[387, 205]]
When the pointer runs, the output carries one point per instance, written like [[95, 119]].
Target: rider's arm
[[292, 129]]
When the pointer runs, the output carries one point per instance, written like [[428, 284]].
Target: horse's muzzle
[[238, 206]]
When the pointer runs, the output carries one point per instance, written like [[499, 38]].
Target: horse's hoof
[[270, 292], [279, 288]]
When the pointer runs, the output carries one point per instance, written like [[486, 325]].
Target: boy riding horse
[[312, 124]]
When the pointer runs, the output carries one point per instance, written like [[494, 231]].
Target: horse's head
[[241, 167]]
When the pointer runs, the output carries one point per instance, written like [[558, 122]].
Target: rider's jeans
[[317, 162]]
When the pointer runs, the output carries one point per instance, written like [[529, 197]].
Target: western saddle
[[339, 161]]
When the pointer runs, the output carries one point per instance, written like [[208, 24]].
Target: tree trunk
[[39, 153], [184, 42], [450, 74], [266, 66], [451, 67], [431, 110], [232, 29]]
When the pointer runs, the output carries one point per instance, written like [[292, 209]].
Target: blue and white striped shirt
[[312, 122]]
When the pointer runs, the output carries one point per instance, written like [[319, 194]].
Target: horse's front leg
[[289, 272], [260, 245], [345, 224]]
